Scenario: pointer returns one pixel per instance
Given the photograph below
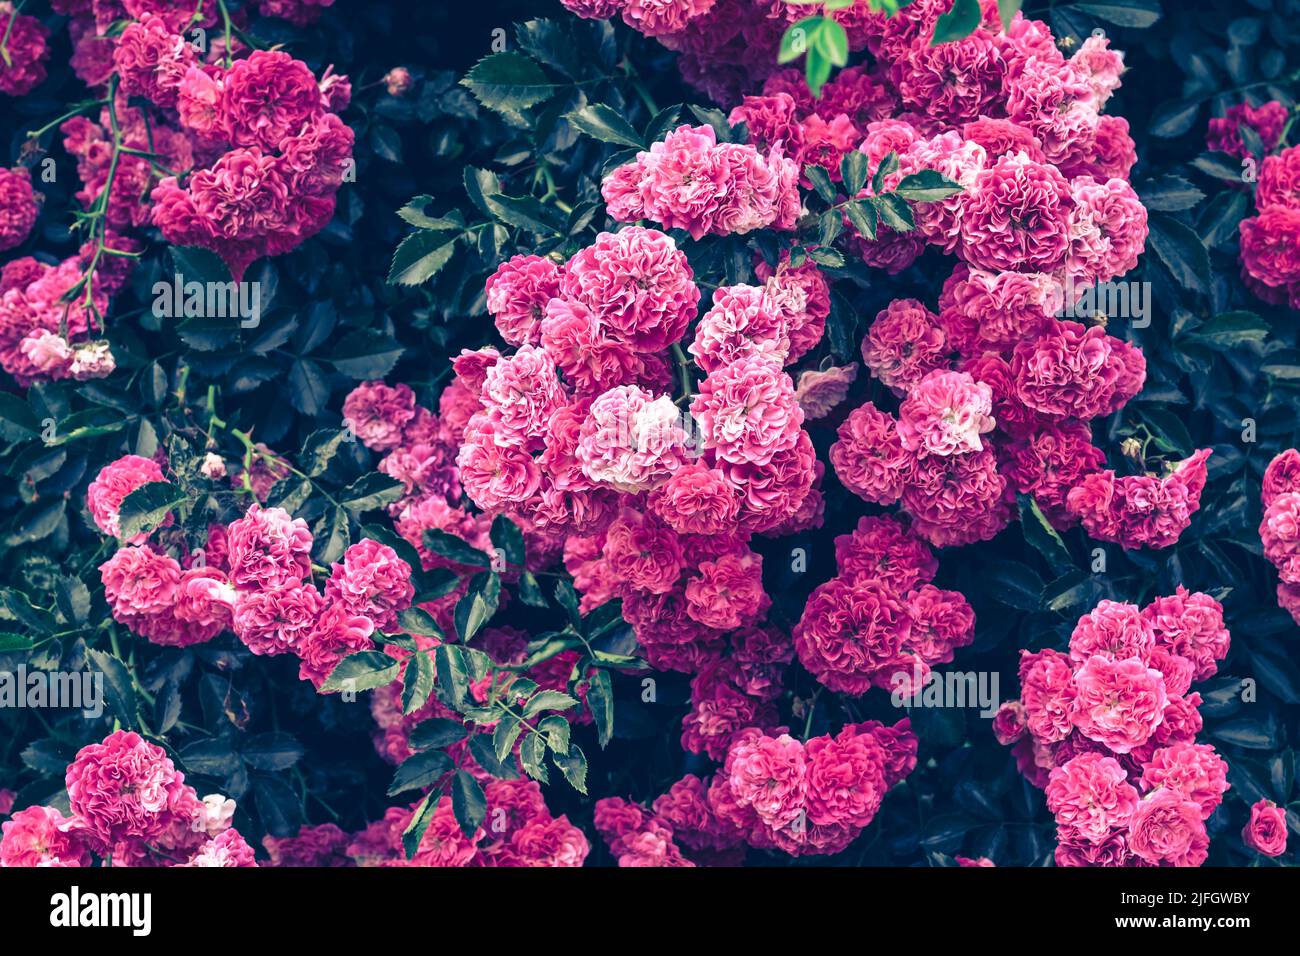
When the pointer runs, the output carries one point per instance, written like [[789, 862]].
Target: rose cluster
[[880, 622], [1279, 531], [129, 806], [577, 431], [1270, 239], [773, 791], [1108, 729], [242, 156], [253, 579], [690, 181]]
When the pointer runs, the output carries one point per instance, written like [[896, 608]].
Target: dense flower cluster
[[772, 792], [1108, 729], [880, 622], [578, 435], [1270, 239], [251, 580], [1279, 531], [242, 156], [690, 181], [129, 807], [997, 387]]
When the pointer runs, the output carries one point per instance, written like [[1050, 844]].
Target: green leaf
[[454, 549], [1175, 118], [605, 124], [414, 213], [195, 264], [17, 420], [1040, 535], [507, 537], [1169, 194], [147, 507], [371, 491], [420, 256], [833, 42], [478, 605], [548, 700], [527, 213], [418, 682], [556, 731], [480, 746], [821, 182], [1220, 219], [319, 450], [886, 168], [926, 185], [364, 670], [567, 598], [1231, 329], [413, 835], [419, 771], [853, 170], [10, 641], [506, 733], [416, 620], [1015, 585], [600, 701], [508, 82], [437, 732], [532, 753], [1181, 250], [1007, 10], [453, 674], [118, 685], [1130, 13], [894, 212], [272, 751], [73, 599], [574, 767], [797, 39], [958, 23], [213, 757], [862, 214], [467, 802], [366, 354]]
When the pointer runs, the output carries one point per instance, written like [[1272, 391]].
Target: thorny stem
[[9, 28]]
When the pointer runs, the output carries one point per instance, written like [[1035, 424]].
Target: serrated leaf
[[417, 683], [439, 732], [371, 491], [467, 802], [508, 82], [147, 507], [364, 670], [420, 256], [548, 700], [600, 701], [926, 185], [419, 771], [454, 549], [119, 687], [605, 124], [574, 767], [507, 537]]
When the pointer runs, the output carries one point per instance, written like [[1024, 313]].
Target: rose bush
[[735, 379]]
